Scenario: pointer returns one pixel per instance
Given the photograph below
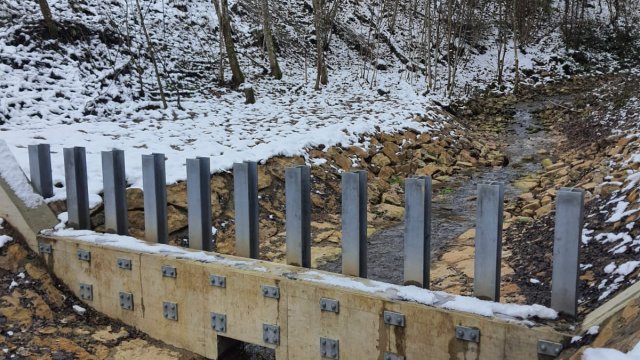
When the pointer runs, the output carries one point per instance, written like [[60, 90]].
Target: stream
[[453, 207]]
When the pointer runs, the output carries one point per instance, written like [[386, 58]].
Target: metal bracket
[[393, 318], [45, 248], [219, 322], [392, 356], [126, 300], [218, 281], [170, 310], [169, 271], [124, 264], [271, 334], [86, 292], [84, 255], [330, 305], [329, 348], [467, 333], [271, 291], [549, 348]]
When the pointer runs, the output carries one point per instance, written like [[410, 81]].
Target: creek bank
[[449, 151]]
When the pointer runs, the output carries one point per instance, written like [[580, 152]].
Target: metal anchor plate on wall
[[329, 348], [330, 305], [45, 248], [84, 255], [219, 322], [270, 291], [271, 334], [393, 318], [86, 292], [169, 271], [126, 300], [392, 356], [217, 281], [467, 333], [549, 348], [124, 264], [170, 310]]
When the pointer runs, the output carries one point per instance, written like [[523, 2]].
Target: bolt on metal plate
[[270, 291], [217, 281], [329, 348], [126, 300], [170, 310], [467, 333], [549, 348], [219, 322], [393, 318], [330, 305], [169, 271], [392, 356], [45, 248], [271, 334], [86, 292], [124, 264], [84, 255]]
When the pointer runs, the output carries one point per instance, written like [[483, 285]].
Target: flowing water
[[454, 208]]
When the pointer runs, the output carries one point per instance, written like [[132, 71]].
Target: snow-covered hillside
[[96, 87]]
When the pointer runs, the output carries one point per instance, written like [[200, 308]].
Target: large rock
[[380, 160], [391, 212]]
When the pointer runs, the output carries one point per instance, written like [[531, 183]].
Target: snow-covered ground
[[85, 91]]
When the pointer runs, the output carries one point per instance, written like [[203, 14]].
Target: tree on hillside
[[323, 16], [48, 18], [222, 11], [268, 41]]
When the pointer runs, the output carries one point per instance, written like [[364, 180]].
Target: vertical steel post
[[354, 223], [245, 191], [566, 250], [417, 231], [488, 241], [75, 174], [199, 203], [155, 198], [298, 211], [115, 192], [40, 169]]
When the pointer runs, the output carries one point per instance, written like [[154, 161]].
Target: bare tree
[[268, 41], [152, 54], [48, 18], [222, 11], [323, 16]]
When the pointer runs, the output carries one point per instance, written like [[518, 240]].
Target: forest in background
[[165, 50]]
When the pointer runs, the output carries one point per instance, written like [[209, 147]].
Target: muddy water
[[453, 204]]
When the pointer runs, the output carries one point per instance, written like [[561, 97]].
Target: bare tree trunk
[[516, 63], [268, 40], [152, 54], [318, 23], [48, 18], [394, 16], [222, 9]]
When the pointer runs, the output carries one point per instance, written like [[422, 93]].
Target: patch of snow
[[576, 339], [610, 268], [627, 268], [79, 309], [594, 330], [4, 239], [11, 172], [13, 285], [534, 281], [611, 354], [21, 275]]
